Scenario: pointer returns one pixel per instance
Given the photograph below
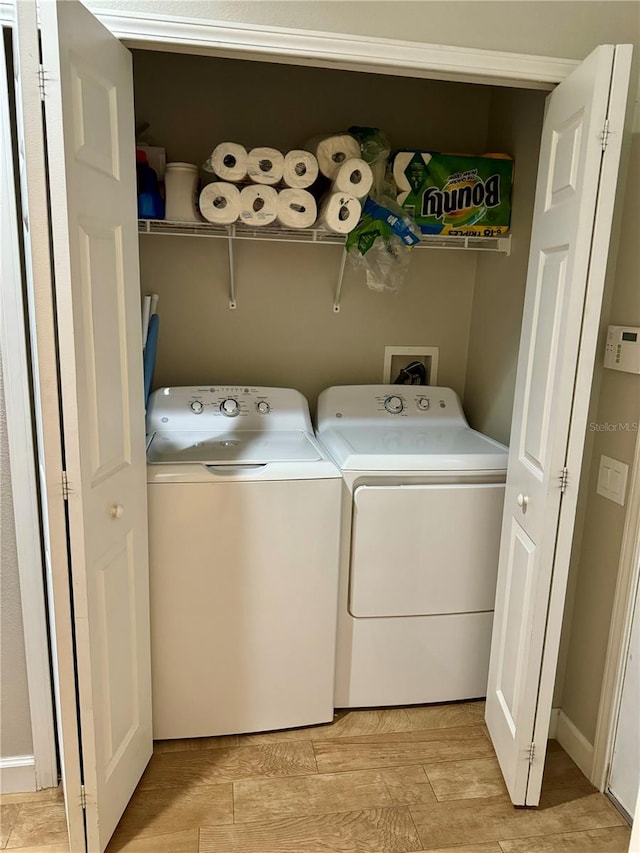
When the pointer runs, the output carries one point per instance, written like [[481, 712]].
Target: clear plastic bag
[[381, 244], [375, 150]]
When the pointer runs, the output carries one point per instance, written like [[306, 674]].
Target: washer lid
[[408, 448], [242, 447]]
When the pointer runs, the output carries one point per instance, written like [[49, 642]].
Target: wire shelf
[[319, 236], [277, 233]]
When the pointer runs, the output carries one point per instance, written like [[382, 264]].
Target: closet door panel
[[575, 194], [91, 152]]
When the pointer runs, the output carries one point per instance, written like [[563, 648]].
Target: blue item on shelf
[[150, 202]]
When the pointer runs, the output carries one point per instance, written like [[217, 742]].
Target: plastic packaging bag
[[375, 150], [381, 244]]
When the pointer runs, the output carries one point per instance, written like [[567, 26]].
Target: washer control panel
[[414, 402], [364, 403], [220, 407], [394, 404], [230, 407]]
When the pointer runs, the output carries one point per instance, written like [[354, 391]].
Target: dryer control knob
[[197, 407], [394, 405], [262, 407], [230, 407], [423, 403]]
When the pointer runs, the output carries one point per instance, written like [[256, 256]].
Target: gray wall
[[15, 732], [515, 125]]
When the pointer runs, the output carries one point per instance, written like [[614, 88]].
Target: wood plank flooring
[[397, 780]]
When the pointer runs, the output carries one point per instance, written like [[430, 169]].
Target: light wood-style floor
[[381, 781]]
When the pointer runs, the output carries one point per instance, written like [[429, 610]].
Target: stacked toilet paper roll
[[220, 203], [353, 177], [223, 204], [231, 162], [341, 207], [228, 161], [339, 212], [265, 166], [296, 208], [258, 205], [300, 169], [332, 151]]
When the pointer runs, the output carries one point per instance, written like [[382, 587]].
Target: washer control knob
[[230, 407], [262, 407], [423, 404], [197, 407], [394, 405]]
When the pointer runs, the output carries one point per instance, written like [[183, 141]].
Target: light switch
[[612, 479]]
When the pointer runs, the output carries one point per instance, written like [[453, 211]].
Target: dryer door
[[425, 549]]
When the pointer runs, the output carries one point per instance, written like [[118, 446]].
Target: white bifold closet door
[[574, 201], [90, 142]]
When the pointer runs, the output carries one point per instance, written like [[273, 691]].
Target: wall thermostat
[[622, 351]]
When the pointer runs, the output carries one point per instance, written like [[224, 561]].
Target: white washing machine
[[244, 516], [422, 510]]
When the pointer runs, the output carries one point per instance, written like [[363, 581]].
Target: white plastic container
[[181, 192]]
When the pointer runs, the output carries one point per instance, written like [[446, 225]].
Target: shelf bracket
[[232, 275], [336, 299]]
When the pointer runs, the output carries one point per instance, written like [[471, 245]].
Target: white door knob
[[116, 511], [523, 501]]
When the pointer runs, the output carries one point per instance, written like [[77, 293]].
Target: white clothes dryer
[[244, 516], [422, 509]]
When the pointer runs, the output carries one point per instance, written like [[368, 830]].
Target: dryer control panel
[[417, 403], [217, 407]]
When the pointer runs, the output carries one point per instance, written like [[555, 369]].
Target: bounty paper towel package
[[455, 194]]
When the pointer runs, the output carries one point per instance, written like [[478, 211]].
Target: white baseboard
[[17, 774], [553, 723], [574, 744]]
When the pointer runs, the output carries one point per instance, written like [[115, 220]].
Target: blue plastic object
[[150, 202]]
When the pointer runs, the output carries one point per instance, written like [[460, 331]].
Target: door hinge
[[531, 752], [65, 486], [604, 136], [41, 81], [83, 797], [564, 479]]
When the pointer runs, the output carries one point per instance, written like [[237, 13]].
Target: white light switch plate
[[612, 479]]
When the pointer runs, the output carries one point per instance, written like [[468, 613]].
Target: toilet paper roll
[[258, 205], [300, 169], [354, 177], [265, 165], [229, 161], [339, 212], [332, 151], [296, 208], [220, 203]]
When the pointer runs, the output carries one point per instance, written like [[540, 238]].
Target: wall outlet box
[[397, 358], [612, 479]]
